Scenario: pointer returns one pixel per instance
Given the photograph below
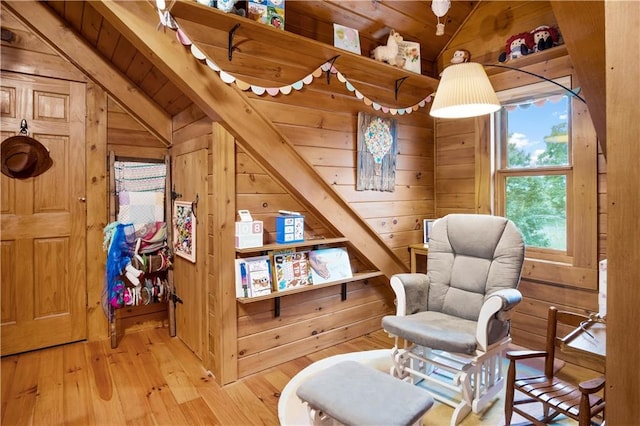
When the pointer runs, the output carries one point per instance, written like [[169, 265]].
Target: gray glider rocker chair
[[453, 322]]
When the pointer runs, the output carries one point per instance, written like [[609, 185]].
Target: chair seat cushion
[[434, 330], [355, 394]]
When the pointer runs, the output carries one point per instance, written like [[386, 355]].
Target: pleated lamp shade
[[464, 91]]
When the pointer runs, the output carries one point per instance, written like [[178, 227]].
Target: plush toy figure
[[388, 52], [544, 37], [517, 45], [460, 56]]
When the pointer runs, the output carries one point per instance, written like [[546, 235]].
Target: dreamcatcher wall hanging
[[377, 152]]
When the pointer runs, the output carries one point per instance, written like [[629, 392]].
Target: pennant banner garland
[[167, 20]]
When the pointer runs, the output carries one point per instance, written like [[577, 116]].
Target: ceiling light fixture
[[440, 8], [465, 91]]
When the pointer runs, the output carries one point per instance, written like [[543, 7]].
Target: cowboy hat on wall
[[24, 157]]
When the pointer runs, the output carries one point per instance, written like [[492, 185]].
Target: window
[[534, 166]]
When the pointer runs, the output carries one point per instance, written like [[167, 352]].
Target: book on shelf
[[291, 270], [330, 264], [242, 279], [409, 55], [253, 276]]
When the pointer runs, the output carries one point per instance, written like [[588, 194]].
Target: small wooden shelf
[[277, 294], [305, 243], [262, 55]]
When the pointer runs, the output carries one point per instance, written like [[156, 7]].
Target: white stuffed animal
[[388, 52]]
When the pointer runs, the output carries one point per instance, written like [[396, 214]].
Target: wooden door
[[189, 180], [43, 253]]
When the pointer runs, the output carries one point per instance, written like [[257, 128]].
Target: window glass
[[538, 206], [534, 163], [538, 133]]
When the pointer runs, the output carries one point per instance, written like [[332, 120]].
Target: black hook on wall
[[194, 206], [331, 62], [232, 32], [398, 84], [175, 195]]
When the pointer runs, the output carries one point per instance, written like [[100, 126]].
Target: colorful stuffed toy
[[544, 37], [517, 45], [388, 52]]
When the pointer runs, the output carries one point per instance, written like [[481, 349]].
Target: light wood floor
[[152, 378]]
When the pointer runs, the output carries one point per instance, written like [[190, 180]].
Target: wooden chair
[[557, 396]]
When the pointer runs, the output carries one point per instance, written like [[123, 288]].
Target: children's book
[[253, 276], [291, 270], [242, 279], [409, 53], [330, 264]]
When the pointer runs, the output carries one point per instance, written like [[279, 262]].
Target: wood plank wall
[[460, 153], [321, 123], [127, 138], [456, 145]]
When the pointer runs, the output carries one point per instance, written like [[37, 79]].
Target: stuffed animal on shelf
[[517, 46], [544, 37], [388, 52], [460, 56]]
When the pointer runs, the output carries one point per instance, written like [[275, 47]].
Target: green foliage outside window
[[537, 204], [536, 199]]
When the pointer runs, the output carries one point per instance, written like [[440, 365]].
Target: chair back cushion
[[470, 257]]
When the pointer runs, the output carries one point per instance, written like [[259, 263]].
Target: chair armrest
[[497, 304], [592, 386], [412, 292], [519, 355]]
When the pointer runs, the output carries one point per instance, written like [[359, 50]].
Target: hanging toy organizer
[[138, 283]]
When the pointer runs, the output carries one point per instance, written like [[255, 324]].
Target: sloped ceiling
[[312, 19], [581, 23]]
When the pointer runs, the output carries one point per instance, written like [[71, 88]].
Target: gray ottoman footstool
[[354, 394]]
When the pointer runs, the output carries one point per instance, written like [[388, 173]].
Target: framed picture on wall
[[184, 230]]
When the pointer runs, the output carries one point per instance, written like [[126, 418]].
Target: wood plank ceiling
[[312, 19]]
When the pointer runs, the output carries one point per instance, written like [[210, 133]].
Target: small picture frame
[[184, 230], [346, 38], [427, 224]]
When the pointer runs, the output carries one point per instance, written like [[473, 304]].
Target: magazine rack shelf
[[306, 243], [357, 276], [276, 295]]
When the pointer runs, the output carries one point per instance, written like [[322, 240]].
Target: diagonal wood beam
[[49, 27], [137, 21]]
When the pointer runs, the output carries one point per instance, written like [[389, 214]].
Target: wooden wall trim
[[623, 290], [484, 163], [97, 208], [64, 41], [222, 326]]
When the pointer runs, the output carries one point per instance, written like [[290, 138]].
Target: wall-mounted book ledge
[[276, 295]]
